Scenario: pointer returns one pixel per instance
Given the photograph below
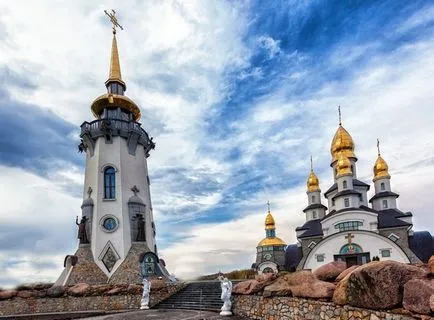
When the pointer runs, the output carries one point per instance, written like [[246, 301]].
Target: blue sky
[[237, 95]]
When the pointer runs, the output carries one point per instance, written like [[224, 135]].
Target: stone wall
[[31, 304], [279, 308]]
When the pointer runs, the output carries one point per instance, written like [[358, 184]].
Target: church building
[[270, 252], [353, 228], [117, 229]]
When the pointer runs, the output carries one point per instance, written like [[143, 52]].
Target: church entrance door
[[353, 259]]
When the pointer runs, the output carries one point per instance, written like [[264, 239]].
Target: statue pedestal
[[144, 307], [226, 313]]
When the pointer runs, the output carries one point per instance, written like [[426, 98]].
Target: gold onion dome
[[342, 143], [381, 169], [269, 222], [272, 241], [344, 165], [312, 182]]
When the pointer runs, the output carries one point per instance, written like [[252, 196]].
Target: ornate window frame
[[103, 218]]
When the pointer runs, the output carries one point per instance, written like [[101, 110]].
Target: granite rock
[[8, 294], [376, 285], [431, 303], [56, 291], [431, 264], [253, 286], [80, 289], [330, 271], [417, 294], [344, 273]]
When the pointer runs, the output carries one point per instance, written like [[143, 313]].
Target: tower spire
[[378, 147], [115, 67], [311, 163], [340, 116], [268, 205]]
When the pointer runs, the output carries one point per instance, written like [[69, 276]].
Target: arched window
[[385, 206], [344, 184], [109, 183], [382, 186], [313, 199]]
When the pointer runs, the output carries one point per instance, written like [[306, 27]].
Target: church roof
[[293, 256], [311, 228], [345, 192], [315, 206], [390, 218], [384, 194], [356, 182], [422, 244]]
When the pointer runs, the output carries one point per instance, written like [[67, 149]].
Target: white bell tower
[[116, 199]]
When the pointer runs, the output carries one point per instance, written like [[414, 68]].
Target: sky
[[237, 95]]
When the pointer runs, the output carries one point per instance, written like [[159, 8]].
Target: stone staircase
[[197, 295]]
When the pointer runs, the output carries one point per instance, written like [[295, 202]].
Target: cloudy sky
[[237, 95]]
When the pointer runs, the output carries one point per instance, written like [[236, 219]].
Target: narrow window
[[346, 202], [314, 215], [109, 183], [385, 206], [320, 257], [333, 202], [345, 184], [382, 186], [313, 199]]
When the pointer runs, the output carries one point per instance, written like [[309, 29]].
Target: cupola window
[[314, 215], [385, 205], [382, 186], [344, 184], [109, 183], [346, 202], [348, 225], [313, 199]]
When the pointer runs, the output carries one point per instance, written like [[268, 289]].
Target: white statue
[[226, 297], [146, 292]]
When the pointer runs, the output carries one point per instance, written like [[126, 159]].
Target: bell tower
[[117, 227]]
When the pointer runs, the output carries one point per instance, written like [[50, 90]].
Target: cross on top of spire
[[311, 163], [268, 204], [114, 20], [378, 146], [340, 116]]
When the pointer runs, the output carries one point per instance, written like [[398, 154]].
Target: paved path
[[159, 314]]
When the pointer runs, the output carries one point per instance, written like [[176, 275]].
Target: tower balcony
[[109, 128]]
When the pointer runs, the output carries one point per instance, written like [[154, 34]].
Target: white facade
[[368, 241], [131, 170], [368, 221]]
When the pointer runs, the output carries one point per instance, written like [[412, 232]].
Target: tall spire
[[340, 116], [378, 147], [115, 67]]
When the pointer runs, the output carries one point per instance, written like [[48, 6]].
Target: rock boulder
[[8, 294], [300, 284], [431, 303], [344, 273], [330, 271], [79, 290], [253, 286], [431, 264], [56, 291], [417, 294], [376, 285]]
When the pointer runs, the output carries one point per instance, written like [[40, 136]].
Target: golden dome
[[269, 222], [114, 100], [273, 241], [312, 182], [342, 143], [381, 169], [344, 165]]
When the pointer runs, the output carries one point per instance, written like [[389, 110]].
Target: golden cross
[[349, 237], [311, 163], [268, 203], [378, 146], [340, 116], [113, 20]]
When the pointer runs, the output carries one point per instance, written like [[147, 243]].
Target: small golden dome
[[111, 100], [312, 182], [344, 165], [381, 169], [269, 222], [273, 241], [342, 143]]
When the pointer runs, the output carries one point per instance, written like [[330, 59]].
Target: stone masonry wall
[[283, 308], [68, 303]]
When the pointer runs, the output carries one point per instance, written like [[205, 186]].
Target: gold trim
[[274, 241], [110, 100]]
